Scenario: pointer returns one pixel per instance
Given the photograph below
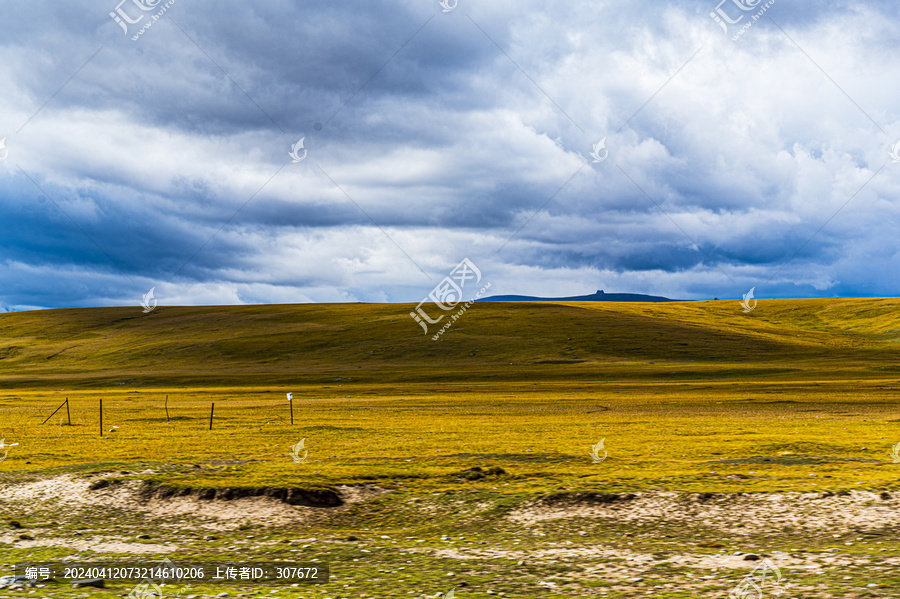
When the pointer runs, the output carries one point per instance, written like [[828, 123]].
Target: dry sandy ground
[[859, 510], [737, 517], [75, 496]]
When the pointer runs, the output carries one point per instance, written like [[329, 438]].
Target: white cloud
[[450, 148]]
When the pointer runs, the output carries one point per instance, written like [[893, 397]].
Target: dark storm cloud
[[166, 158]]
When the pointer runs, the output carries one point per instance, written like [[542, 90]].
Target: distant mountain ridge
[[600, 296]]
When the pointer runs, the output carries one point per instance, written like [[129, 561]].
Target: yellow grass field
[[722, 432]]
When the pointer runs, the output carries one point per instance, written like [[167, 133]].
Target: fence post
[[66, 403]]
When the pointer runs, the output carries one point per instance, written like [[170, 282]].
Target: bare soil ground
[[383, 543]]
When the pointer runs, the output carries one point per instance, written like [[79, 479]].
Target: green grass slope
[[235, 345]]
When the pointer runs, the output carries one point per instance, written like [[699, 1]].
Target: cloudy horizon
[[562, 147]]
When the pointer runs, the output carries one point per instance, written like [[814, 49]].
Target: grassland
[[760, 433]]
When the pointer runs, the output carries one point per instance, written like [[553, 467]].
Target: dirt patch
[[94, 545], [235, 506], [740, 513], [64, 489]]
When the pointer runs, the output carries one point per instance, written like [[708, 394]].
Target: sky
[[685, 149]]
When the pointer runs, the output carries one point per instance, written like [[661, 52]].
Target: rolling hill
[[380, 342]]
